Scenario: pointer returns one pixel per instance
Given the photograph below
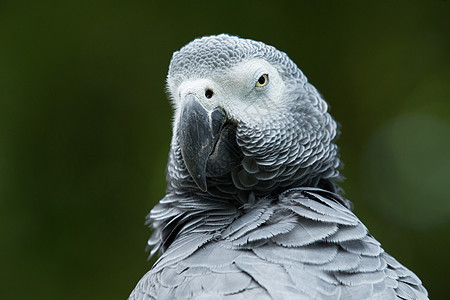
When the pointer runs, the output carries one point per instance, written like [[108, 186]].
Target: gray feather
[[305, 232]]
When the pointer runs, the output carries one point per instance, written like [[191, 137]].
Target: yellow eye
[[263, 80]]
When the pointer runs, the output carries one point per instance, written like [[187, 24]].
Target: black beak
[[199, 131]]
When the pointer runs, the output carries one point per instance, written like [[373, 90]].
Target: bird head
[[246, 119]]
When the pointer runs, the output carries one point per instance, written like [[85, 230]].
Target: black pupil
[[208, 93], [262, 80]]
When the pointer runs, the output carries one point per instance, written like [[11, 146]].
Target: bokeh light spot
[[406, 167]]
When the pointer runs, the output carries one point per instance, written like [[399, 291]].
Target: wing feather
[[306, 245]]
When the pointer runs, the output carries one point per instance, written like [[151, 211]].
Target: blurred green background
[[85, 127]]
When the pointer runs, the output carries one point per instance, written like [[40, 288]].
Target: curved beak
[[198, 131]]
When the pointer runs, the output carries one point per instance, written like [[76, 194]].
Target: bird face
[[249, 93], [244, 110]]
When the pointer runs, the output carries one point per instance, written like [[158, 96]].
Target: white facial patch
[[237, 90], [199, 88], [244, 99]]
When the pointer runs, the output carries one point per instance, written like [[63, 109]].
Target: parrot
[[253, 207]]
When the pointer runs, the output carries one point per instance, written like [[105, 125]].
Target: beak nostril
[[209, 93]]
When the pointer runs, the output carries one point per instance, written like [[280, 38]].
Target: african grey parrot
[[252, 209]]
